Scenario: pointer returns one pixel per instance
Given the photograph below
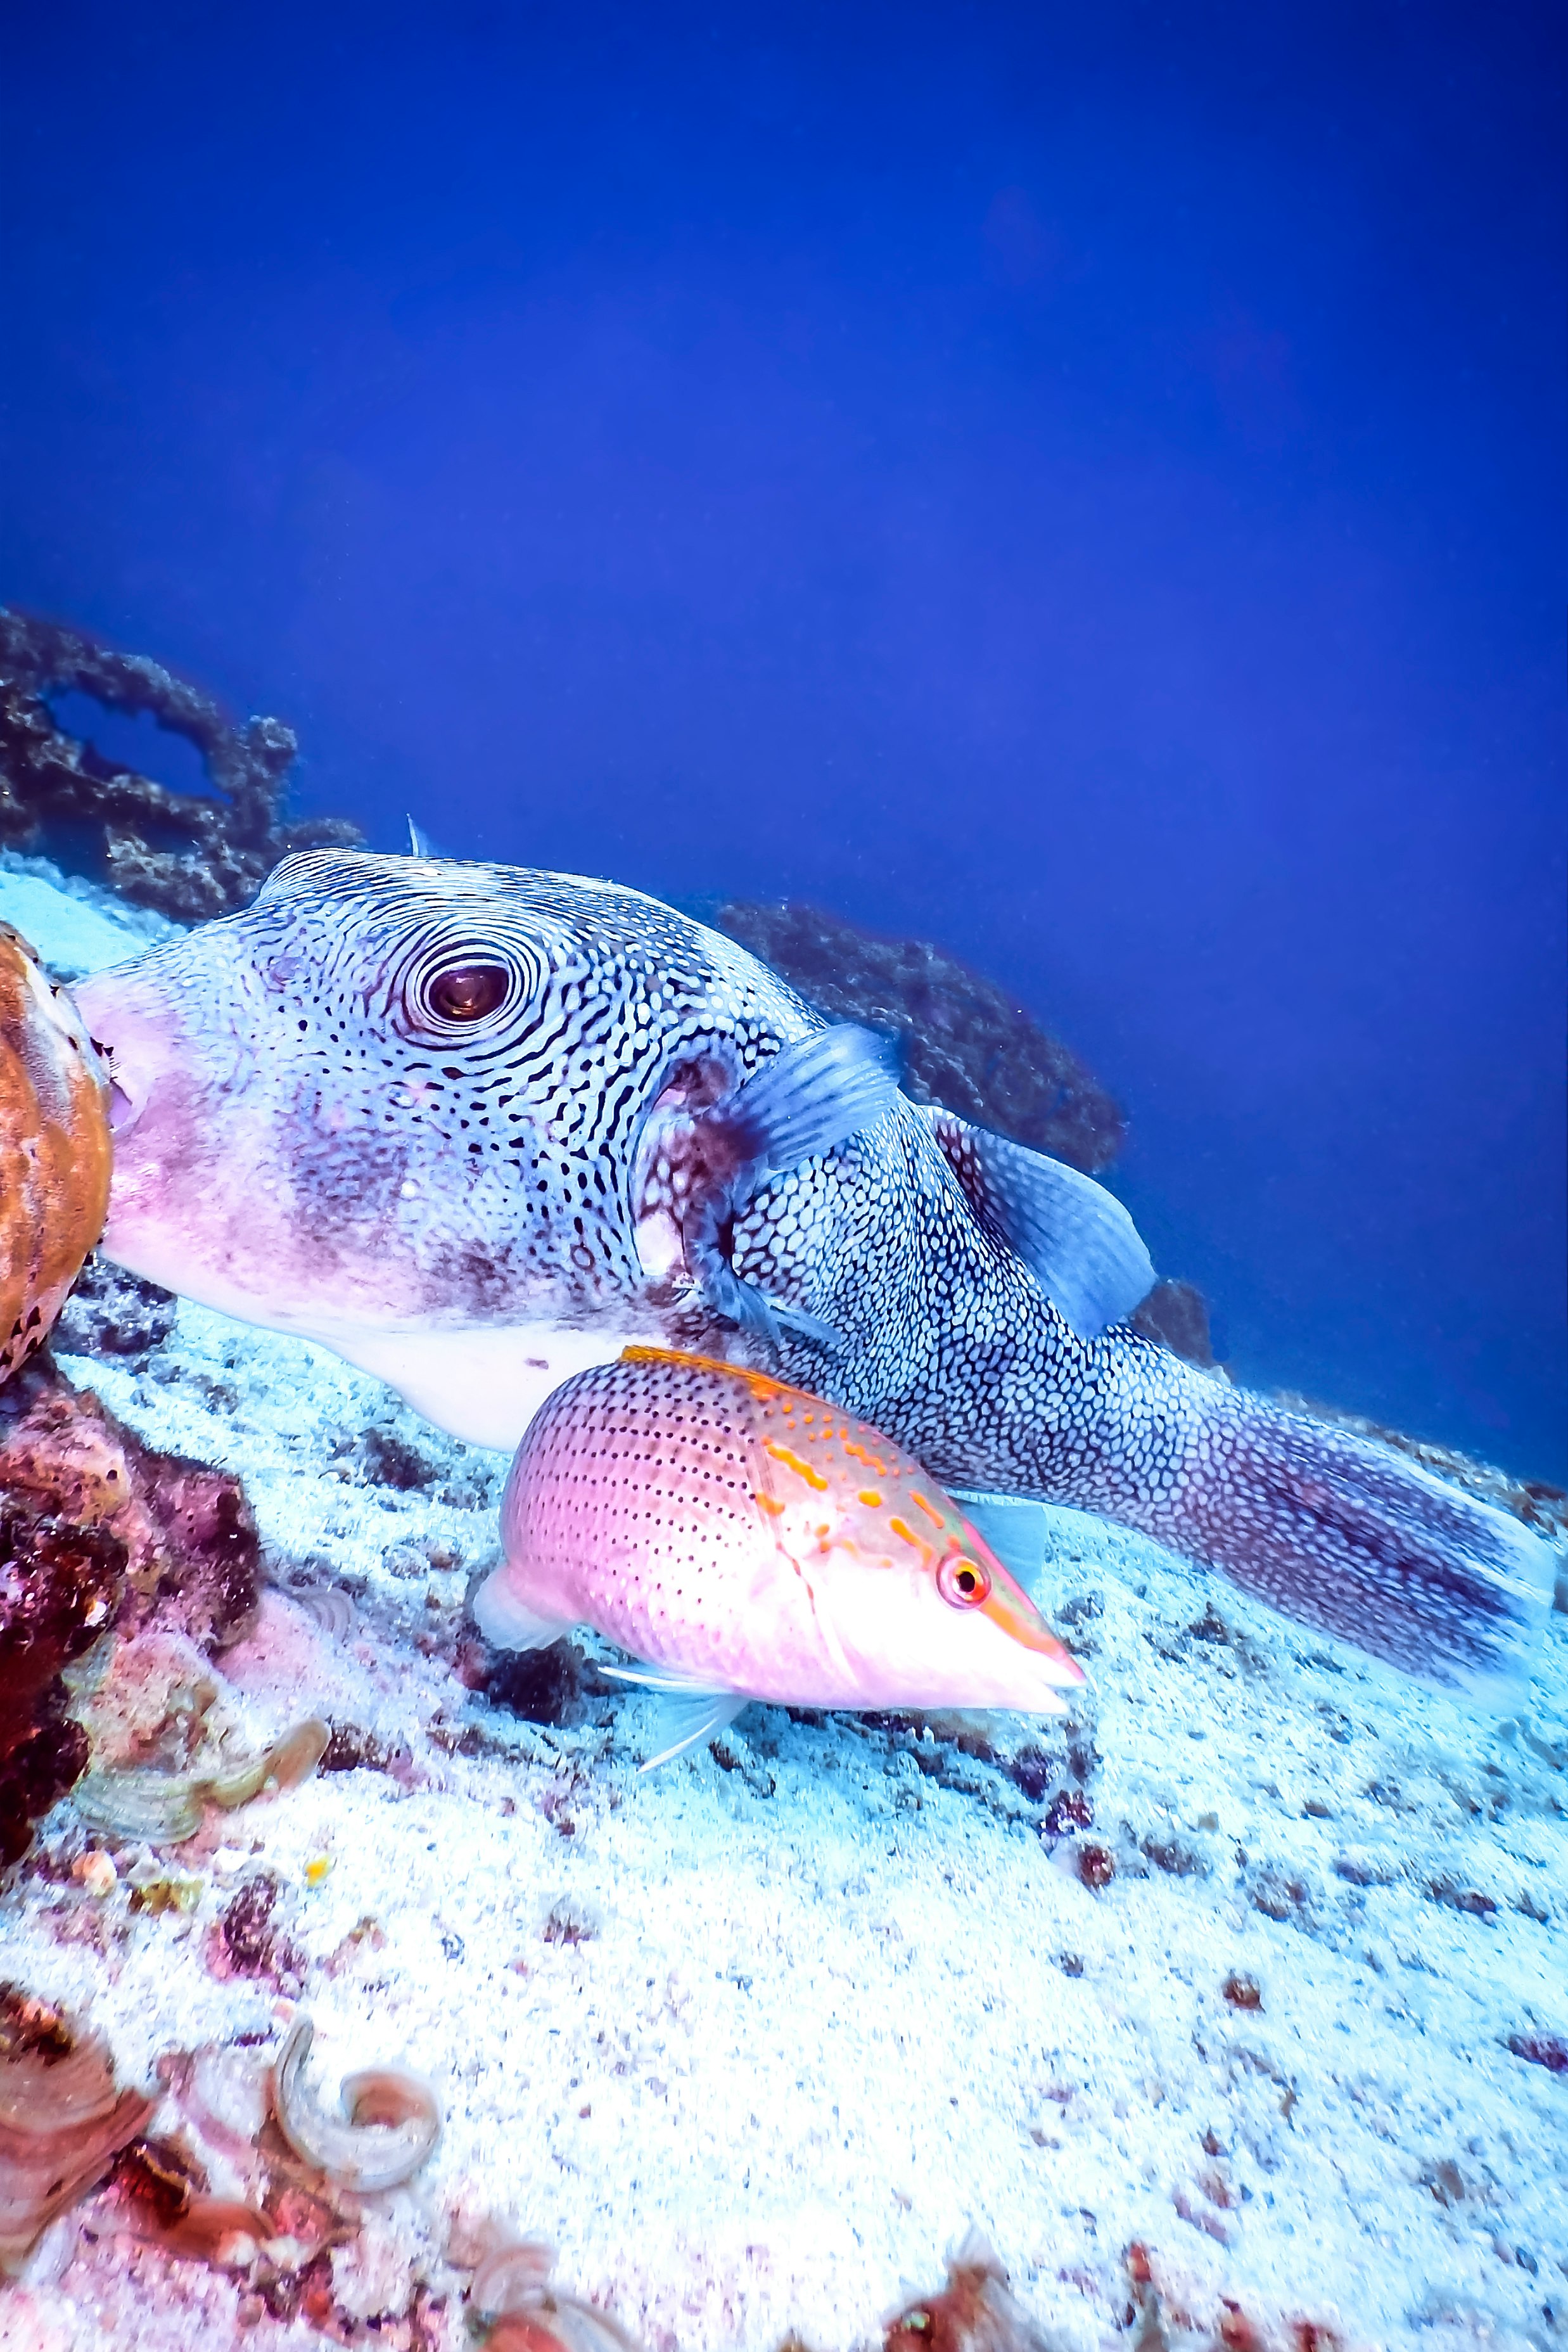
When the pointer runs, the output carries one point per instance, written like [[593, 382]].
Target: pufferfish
[[748, 1540], [478, 1128]]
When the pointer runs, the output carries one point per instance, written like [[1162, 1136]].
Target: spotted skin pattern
[[306, 1142], [754, 1539]]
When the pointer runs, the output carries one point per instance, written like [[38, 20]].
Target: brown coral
[[228, 844], [54, 1150], [62, 2122]]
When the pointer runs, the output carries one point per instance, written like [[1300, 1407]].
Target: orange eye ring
[[963, 1582]]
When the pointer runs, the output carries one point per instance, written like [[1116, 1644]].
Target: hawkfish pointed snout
[[1009, 1608]]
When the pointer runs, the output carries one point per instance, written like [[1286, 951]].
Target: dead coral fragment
[[54, 1149], [62, 2122], [512, 2286], [47, 778], [972, 2313], [165, 1807], [390, 2123]]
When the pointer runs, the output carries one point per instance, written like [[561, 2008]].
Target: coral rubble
[[62, 2122], [190, 857]]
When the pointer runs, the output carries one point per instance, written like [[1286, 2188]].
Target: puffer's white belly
[[482, 1383]]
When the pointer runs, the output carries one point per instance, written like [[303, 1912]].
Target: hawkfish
[[744, 1539], [478, 1128]]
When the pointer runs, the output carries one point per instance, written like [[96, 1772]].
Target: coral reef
[[62, 2122], [96, 1530], [55, 1151], [970, 1047], [190, 857]]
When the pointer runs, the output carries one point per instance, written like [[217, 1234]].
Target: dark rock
[[351, 1748], [1176, 1315], [1068, 1811], [1243, 1991], [1096, 1866], [1548, 2050], [112, 1313], [970, 1047], [540, 1685], [1032, 1771], [391, 1461], [192, 857], [246, 1941]]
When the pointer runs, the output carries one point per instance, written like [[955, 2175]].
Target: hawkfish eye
[[468, 991], [963, 1582]]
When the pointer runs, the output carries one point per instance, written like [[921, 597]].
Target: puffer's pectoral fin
[[508, 1623], [693, 1712], [741, 1302], [1012, 1524], [1075, 1238], [812, 1097]]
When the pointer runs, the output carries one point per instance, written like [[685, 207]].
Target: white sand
[[757, 2037]]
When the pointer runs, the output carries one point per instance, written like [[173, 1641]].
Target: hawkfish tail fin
[[1348, 1535]]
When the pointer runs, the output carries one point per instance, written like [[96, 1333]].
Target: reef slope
[[1255, 1967]]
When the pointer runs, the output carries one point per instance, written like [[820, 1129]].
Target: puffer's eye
[[473, 988], [468, 991], [963, 1582]]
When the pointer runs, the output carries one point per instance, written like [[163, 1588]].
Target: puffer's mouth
[[125, 1104]]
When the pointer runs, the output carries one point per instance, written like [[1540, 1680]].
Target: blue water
[[1084, 486]]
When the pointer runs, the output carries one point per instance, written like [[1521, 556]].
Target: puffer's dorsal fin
[[1075, 1238]]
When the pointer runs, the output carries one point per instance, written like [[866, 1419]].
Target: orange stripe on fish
[[792, 1461]]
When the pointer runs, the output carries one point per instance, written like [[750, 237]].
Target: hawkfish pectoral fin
[[691, 1713], [1012, 1524], [507, 1622], [690, 1721], [812, 1097], [1075, 1238]]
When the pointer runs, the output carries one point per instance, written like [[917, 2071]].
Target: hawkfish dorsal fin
[[1075, 1238]]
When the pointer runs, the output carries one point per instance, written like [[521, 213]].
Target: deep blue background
[[1084, 484]]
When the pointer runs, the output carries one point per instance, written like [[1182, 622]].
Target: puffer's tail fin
[[1346, 1534]]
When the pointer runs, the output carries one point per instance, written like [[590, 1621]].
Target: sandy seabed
[[755, 2040]]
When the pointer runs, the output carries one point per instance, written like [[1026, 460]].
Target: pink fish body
[[749, 1540]]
